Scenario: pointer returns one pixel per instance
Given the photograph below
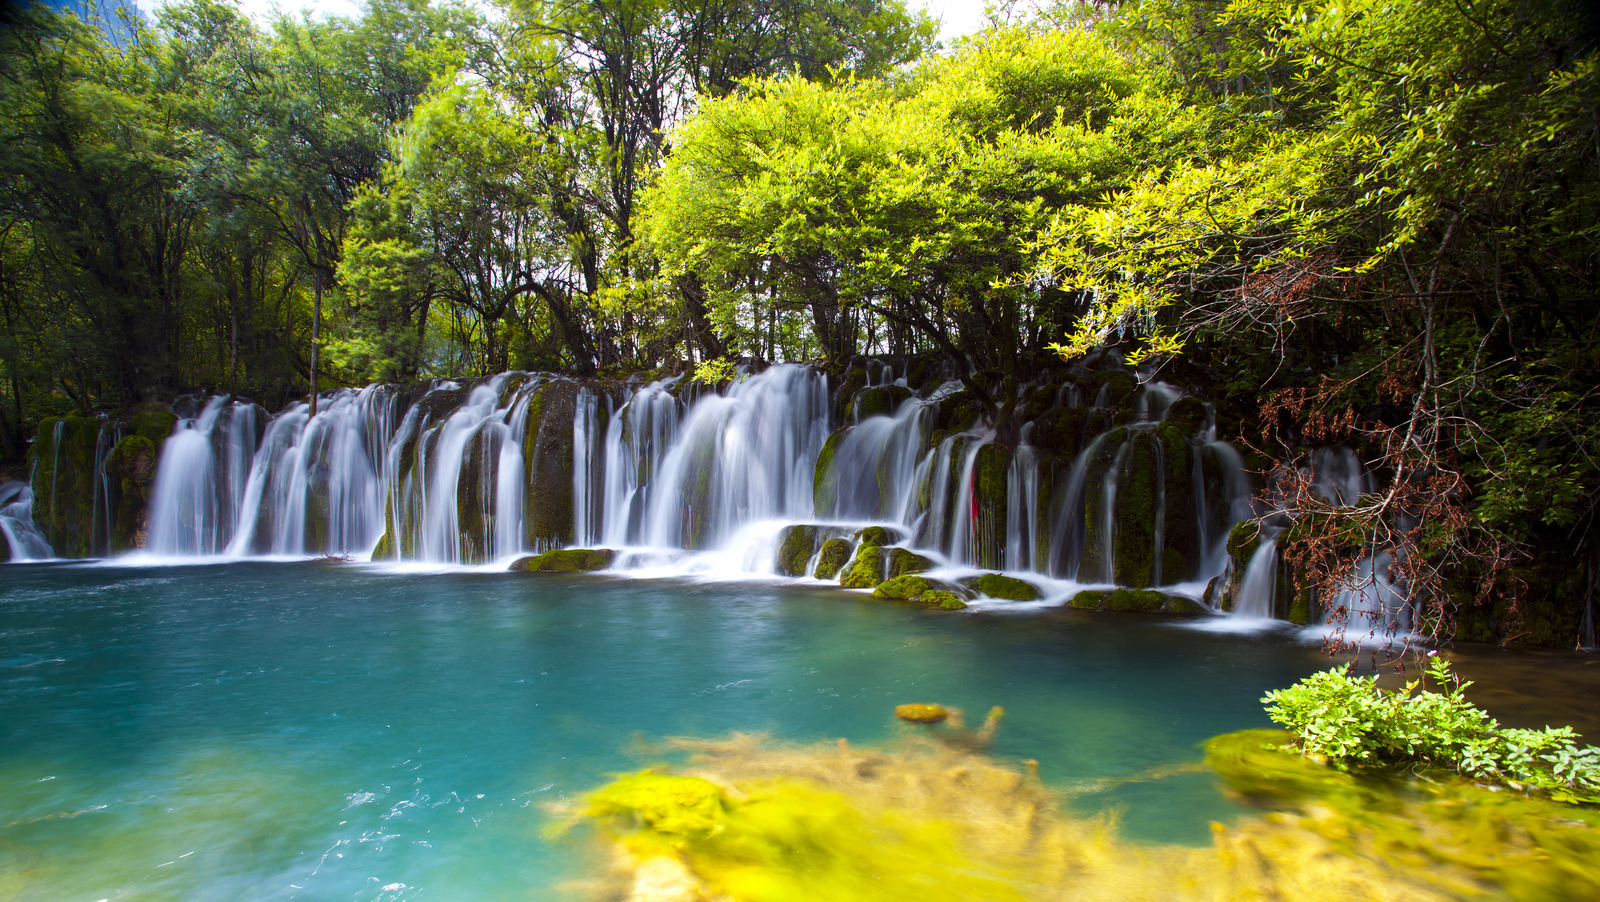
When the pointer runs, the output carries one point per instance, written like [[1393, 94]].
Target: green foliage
[[1352, 723]]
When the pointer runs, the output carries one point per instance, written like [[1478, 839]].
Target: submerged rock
[[1143, 601], [922, 713], [566, 560]]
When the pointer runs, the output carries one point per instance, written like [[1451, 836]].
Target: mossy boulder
[[1115, 388], [1138, 601], [566, 560], [867, 570], [904, 588], [132, 465], [1060, 431], [1008, 588], [796, 545], [947, 601], [873, 536], [1088, 600], [1187, 415], [903, 561], [1095, 564], [832, 557], [879, 401], [1243, 540]]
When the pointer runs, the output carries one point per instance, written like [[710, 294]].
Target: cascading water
[[200, 483], [23, 540]]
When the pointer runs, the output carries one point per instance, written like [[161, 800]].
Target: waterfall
[[1258, 591], [201, 479], [1022, 507], [315, 484], [23, 540]]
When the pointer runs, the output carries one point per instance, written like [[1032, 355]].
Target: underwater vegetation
[[934, 818]]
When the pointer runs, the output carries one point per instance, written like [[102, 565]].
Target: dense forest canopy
[[1359, 221]]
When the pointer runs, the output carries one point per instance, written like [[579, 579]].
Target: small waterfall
[[23, 540], [1258, 591], [964, 547], [872, 474], [636, 441], [588, 466], [201, 480], [1022, 507]]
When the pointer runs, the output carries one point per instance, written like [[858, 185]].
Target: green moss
[[903, 588], [867, 569], [132, 464], [874, 402], [64, 481], [1120, 385], [831, 559], [1133, 535], [946, 601], [152, 422], [1060, 431], [1088, 600], [1243, 540], [873, 536], [1187, 607], [1146, 601], [1187, 414], [1300, 611], [796, 544], [384, 550], [996, 585], [566, 560], [903, 561], [825, 482]]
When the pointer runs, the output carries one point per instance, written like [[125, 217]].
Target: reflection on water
[[317, 731]]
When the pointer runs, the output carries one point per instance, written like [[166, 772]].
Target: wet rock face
[[796, 545], [547, 450], [1009, 588], [832, 557]]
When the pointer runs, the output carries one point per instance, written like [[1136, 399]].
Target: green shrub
[[1349, 722]]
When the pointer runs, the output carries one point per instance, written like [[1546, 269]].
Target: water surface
[[316, 731]]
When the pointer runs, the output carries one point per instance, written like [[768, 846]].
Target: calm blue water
[[312, 731]]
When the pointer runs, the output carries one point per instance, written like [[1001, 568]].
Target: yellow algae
[[936, 821]]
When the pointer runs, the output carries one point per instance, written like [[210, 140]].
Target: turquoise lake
[[317, 731]]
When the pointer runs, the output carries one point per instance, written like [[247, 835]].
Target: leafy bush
[[1349, 722]]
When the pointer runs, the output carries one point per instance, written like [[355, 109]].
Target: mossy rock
[[132, 465], [874, 402], [1088, 600], [904, 588], [835, 553], [384, 550], [1060, 431], [866, 571], [796, 544], [1187, 414], [991, 487], [1146, 601], [1181, 532], [874, 536], [64, 484], [903, 561], [824, 481], [1243, 540], [1120, 386], [1008, 588], [566, 560], [1094, 565], [946, 601], [1183, 606]]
